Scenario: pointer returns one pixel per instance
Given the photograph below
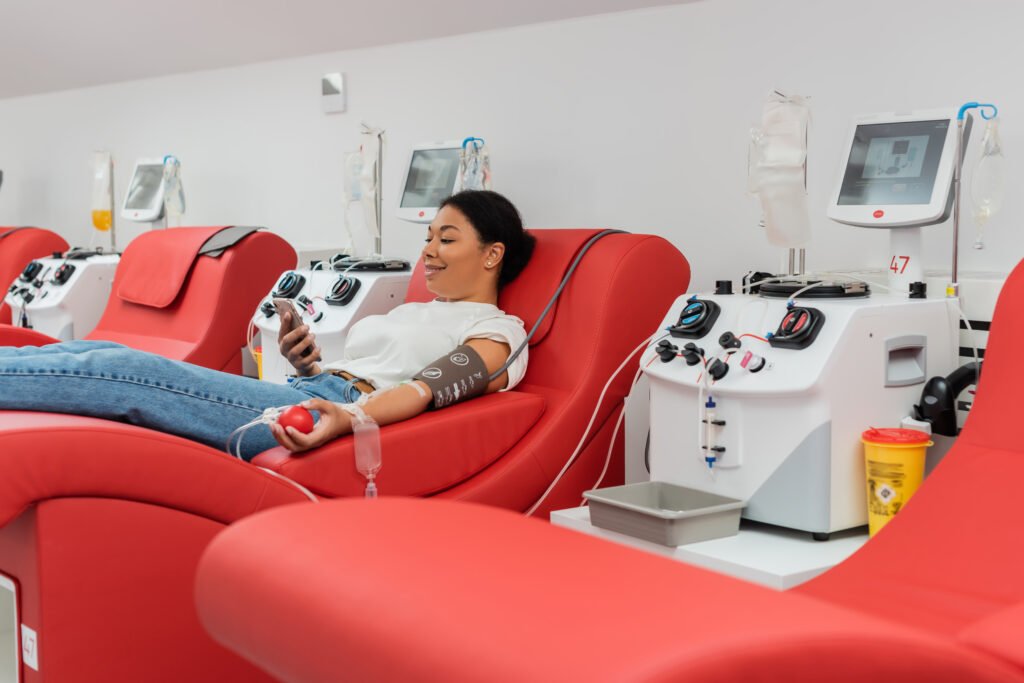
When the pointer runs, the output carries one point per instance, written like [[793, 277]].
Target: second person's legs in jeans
[[107, 380]]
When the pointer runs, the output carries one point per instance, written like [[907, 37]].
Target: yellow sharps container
[[894, 459]]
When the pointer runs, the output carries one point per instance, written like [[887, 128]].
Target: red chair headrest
[[155, 265], [527, 295]]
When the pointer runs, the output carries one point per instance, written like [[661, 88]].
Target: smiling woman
[[420, 355], [475, 245]]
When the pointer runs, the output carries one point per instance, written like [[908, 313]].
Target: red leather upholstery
[[436, 591], [113, 516], [16, 250], [424, 455], [615, 299], [102, 526], [469, 594], [191, 307]]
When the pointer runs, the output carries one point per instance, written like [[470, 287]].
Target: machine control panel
[[798, 329], [63, 274], [30, 272], [329, 302], [343, 290], [63, 299], [290, 284], [696, 319]]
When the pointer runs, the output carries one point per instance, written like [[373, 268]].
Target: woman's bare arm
[[397, 404]]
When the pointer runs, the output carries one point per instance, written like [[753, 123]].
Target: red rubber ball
[[298, 417]]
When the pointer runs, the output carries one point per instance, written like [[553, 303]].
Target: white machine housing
[[64, 297], [144, 201], [378, 293], [431, 176], [791, 436]]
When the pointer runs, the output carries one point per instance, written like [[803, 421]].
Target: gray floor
[[8, 639]]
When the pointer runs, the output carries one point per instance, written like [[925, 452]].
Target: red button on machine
[[878, 213], [422, 214]]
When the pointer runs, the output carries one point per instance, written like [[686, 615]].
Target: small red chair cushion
[[156, 264]]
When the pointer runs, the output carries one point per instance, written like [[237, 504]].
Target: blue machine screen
[[893, 163]]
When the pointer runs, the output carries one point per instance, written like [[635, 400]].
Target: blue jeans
[[111, 381]]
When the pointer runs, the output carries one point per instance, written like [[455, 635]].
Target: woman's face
[[458, 266]]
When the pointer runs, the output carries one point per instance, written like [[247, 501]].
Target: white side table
[[771, 556]]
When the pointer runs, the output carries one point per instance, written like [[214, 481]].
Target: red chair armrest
[[466, 592], [21, 336], [1001, 634], [45, 456], [429, 453]]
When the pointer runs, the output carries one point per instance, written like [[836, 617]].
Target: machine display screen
[[893, 163], [144, 190], [432, 175]]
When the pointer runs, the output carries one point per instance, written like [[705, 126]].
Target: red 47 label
[[896, 266]]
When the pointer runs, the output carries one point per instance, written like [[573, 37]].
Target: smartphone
[[283, 306]]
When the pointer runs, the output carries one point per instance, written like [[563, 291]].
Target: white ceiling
[[48, 45]]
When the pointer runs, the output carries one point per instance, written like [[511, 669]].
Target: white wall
[[636, 120]]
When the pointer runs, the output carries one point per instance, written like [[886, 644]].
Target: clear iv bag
[[474, 165], [174, 193], [353, 189], [988, 180], [776, 169]]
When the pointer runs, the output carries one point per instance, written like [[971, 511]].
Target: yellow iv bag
[[102, 192], [102, 220]]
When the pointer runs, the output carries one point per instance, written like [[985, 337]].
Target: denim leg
[[110, 381]]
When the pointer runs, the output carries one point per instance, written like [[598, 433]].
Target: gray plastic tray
[[664, 513]]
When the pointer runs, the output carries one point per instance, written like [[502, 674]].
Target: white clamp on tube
[[367, 445]]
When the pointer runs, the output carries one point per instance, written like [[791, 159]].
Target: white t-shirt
[[389, 349]]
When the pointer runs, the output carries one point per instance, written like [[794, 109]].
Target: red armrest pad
[[155, 265], [45, 455], [466, 592], [1001, 634], [21, 336], [421, 456]]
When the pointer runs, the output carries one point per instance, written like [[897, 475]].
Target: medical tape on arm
[[455, 377]]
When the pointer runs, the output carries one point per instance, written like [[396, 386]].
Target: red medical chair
[[103, 523], [465, 593], [186, 293], [18, 246]]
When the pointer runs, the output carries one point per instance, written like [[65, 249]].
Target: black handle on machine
[[938, 399]]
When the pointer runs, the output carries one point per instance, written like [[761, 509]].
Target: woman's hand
[[293, 344], [333, 422]]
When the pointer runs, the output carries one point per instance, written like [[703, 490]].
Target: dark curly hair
[[496, 219]]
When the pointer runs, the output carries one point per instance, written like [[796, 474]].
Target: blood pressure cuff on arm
[[455, 377]]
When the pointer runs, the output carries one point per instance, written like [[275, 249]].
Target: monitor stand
[[905, 256]]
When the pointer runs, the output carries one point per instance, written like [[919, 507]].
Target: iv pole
[[953, 288]]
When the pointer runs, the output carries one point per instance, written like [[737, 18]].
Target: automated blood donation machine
[[330, 300], [762, 395], [63, 296]]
